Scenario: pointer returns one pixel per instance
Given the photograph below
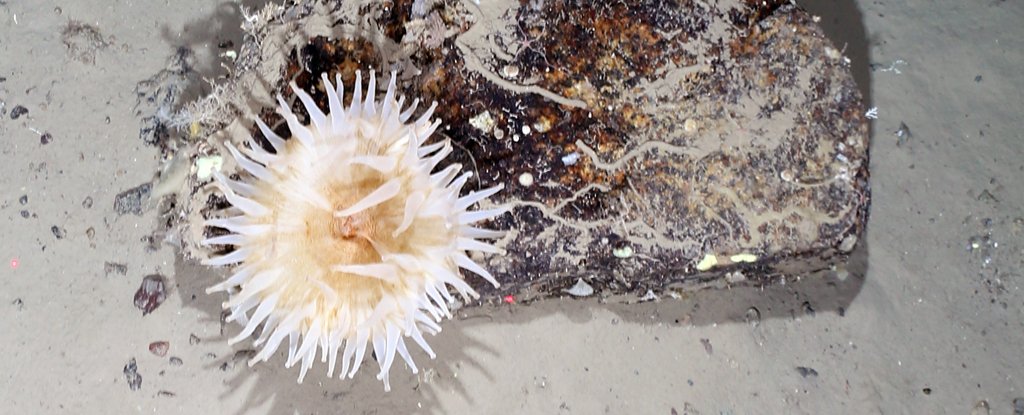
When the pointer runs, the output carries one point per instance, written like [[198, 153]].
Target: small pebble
[[45, 139], [151, 293], [927, 391], [806, 371], [510, 71], [580, 289], [131, 200], [166, 394], [526, 179], [808, 309], [244, 355], [18, 303], [176, 361], [623, 251], [981, 408], [707, 346], [114, 267], [159, 348], [571, 158], [752, 316], [23, 199], [193, 339], [690, 125], [87, 203], [1018, 406], [58, 232], [18, 111], [25, 214], [131, 374]]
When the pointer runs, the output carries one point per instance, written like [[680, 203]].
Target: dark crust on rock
[[692, 128]]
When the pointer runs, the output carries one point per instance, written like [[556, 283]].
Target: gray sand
[[935, 327]]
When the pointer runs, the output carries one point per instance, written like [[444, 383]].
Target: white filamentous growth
[[347, 234]]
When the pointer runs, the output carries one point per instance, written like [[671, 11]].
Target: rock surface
[[654, 148]]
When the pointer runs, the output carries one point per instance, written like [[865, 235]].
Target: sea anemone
[[347, 232]]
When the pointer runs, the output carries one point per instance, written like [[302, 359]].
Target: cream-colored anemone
[[347, 233]]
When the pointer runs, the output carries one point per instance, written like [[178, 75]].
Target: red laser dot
[[509, 299], [15, 263]]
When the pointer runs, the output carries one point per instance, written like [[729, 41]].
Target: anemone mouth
[[348, 234]]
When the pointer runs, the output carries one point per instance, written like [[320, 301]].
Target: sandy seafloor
[[935, 326]]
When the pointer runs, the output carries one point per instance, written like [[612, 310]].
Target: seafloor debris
[[806, 371], [18, 111], [114, 268], [132, 376], [130, 201], [159, 348], [151, 293], [83, 41]]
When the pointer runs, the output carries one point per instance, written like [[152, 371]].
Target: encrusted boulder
[[650, 148]]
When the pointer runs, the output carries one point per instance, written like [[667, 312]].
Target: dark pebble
[[176, 361], [159, 348], [25, 214], [20, 305], [130, 201], [58, 231], [166, 394], [87, 203], [808, 310], [193, 339], [806, 371], [131, 374], [151, 293], [752, 316], [244, 355], [707, 346], [1018, 406], [114, 267], [927, 391], [23, 199], [45, 139], [18, 111]]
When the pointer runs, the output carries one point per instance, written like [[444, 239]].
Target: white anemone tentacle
[[351, 234]]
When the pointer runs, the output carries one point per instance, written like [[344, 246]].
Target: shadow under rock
[[210, 37], [828, 291], [269, 386], [843, 23]]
